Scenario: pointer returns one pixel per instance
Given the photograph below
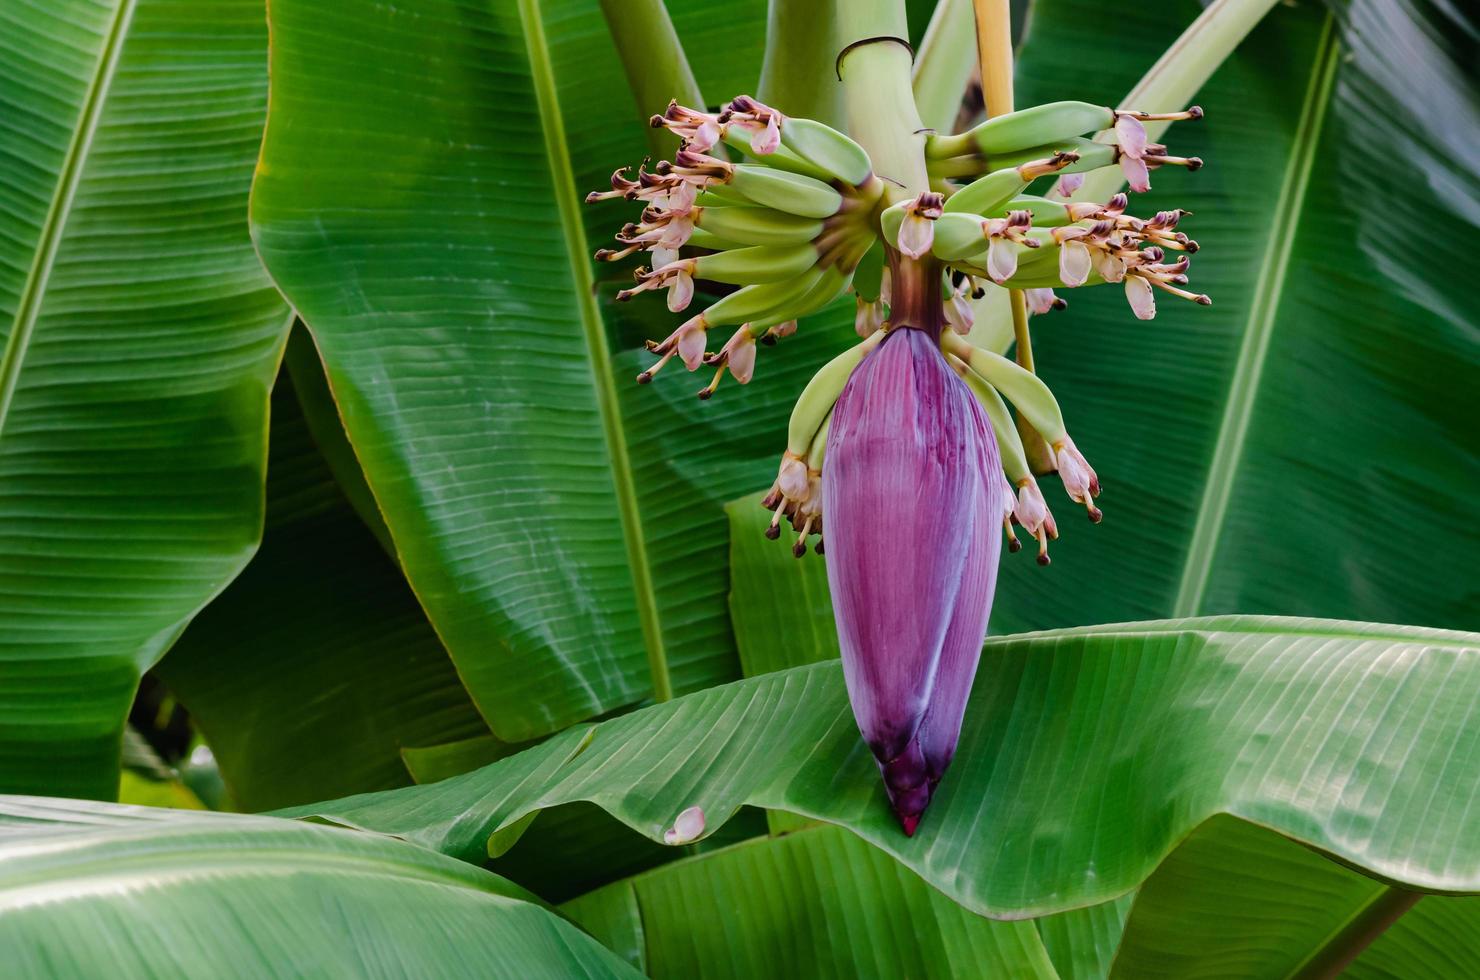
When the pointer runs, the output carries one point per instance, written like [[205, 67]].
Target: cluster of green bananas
[[805, 219], [790, 228]]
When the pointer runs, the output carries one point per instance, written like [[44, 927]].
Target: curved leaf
[[313, 670], [815, 903], [1340, 735], [132, 892], [561, 526], [138, 337], [1235, 899], [1304, 446]]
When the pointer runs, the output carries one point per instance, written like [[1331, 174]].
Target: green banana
[[716, 194], [783, 157], [959, 236], [1092, 155], [825, 147], [1014, 131], [757, 226], [762, 300], [816, 400], [1009, 443], [868, 278], [793, 193], [1046, 213], [756, 264], [700, 238], [987, 195], [1019, 385]]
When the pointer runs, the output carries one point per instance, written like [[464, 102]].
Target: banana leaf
[[316, 667], [138, 340], [816, 903], [563, 527], [136, 892], [1305, 446], [1342, 736]]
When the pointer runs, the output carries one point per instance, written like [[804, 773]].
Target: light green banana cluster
[[789, 227], [801, 218]]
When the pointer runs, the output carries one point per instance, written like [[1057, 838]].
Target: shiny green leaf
[[1306, 445], [1339, 735], [136, 892], [138, 336], [562, 526], [816, 903], [316, 666]]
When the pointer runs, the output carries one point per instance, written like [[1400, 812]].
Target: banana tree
[[488, 551]]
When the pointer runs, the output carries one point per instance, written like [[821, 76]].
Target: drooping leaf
[[561, 526], [1237, 900], [1305, 446], [317, 666], [816, 903], [135, 892], [138, 336], [1340, 735]]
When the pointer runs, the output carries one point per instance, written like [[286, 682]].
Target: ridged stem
[[797, 73], [654, 61]]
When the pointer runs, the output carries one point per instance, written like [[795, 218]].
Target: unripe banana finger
[[987, 195], [817, 399], [1019, 385], [826, 148], [789, 192], [766, 299], [868, 277], [1009, 443], [1015, 131], [1092, 155], [783, 157], [756, 264], [700, 238], [959, 235], [758, 226]]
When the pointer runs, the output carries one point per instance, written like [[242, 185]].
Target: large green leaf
[[1305, 446], [138, 337], [1237, 900], [316, 667], [136, 892], [1086, 755], [562, 527], [816, 903]]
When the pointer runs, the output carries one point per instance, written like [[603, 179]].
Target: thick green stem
[[654, 61], [880, 108], [797, 74]]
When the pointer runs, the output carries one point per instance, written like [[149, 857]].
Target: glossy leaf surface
[[1304, 446], [561, 526], [1336, 734], [815, 903], [138, 336], [316, 667], [138, 892]]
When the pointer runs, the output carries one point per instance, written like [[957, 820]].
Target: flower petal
[[1074, 263], [916, 234], [1141, 297], [1131, 135], [1002, 260]]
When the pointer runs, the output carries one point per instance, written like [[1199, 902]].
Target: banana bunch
[[789, 228], [802, 219], [1005, 142]]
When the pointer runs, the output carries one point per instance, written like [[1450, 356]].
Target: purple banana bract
[[912, 493]]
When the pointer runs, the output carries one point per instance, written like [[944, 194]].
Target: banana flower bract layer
[[913, 497]]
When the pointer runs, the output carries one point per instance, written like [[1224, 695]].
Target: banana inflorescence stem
[[878, 99]]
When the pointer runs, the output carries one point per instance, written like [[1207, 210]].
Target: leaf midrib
[[563, 179], [28, 310], [1243, 389]]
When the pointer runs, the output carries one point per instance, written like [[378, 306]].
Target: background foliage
[[486, 552]]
